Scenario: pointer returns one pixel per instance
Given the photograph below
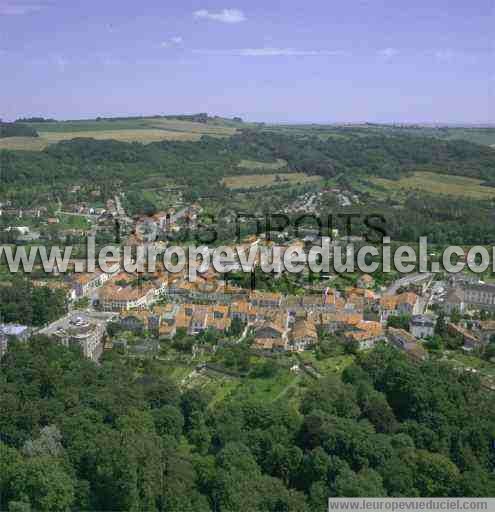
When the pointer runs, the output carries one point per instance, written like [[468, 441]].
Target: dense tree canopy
[[76, 436], [16, 130], [22, 303]]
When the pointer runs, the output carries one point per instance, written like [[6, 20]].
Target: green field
[[438, 184], [266, 180], [256, 165]]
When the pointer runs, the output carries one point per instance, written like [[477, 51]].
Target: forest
[[122, 436], [23, 303], [204, 163], [197, 169], [16, 130]]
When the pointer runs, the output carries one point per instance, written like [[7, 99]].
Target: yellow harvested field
[[23, 143], [265, 180], [143, 136], [47, 138], [439, 184]]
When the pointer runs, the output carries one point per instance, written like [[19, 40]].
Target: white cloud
[[388, 53], [224, 16], [19, 7], [444, 55], [173, 41], [273, 52]]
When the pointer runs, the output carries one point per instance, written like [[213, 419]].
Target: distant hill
[[34, 120], [127, 129]]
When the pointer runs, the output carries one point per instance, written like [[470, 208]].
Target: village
[[161, 306]]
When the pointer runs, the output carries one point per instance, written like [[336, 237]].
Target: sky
[[321, 61]]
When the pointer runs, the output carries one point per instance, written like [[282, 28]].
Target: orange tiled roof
[[407, 298], [303, 329], [373, 328], [388, 302], [257, 295]]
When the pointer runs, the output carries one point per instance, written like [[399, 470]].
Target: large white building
[[81, 330]]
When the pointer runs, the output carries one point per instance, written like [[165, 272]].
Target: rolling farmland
[[142, 130], [439, 184]]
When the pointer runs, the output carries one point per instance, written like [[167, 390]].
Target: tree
[[455, 316], [399, 322], [351, 346], [169, 421], [440, 326], [364, 483], [435, 474], [46, 484]]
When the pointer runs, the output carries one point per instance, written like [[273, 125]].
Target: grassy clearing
[[265, 180], [255, 165], [333, 364], [267, 390], [190, 127], [438, 184], [73, 222]]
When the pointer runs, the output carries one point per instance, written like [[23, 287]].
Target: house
[[219, 317], [406, 342], [79, 330], [85, 284], [199, 321], [302, 336], [162, 320], [15, 331], [135, 321], [125, 293], [454, 301], [333, 322], [366, 333], [242, 311], [265, 299], [469, 294], [422, 326], [406, 303], [479, 296], [365, 281], [388, 307], [271, 336]]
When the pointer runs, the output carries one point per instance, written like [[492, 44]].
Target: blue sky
[[292, 61]]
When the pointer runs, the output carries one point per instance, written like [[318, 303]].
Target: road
[[120, 210], [406, 281]]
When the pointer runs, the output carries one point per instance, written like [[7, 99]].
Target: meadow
[[246, 181], [260, 166], [438, 184]]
